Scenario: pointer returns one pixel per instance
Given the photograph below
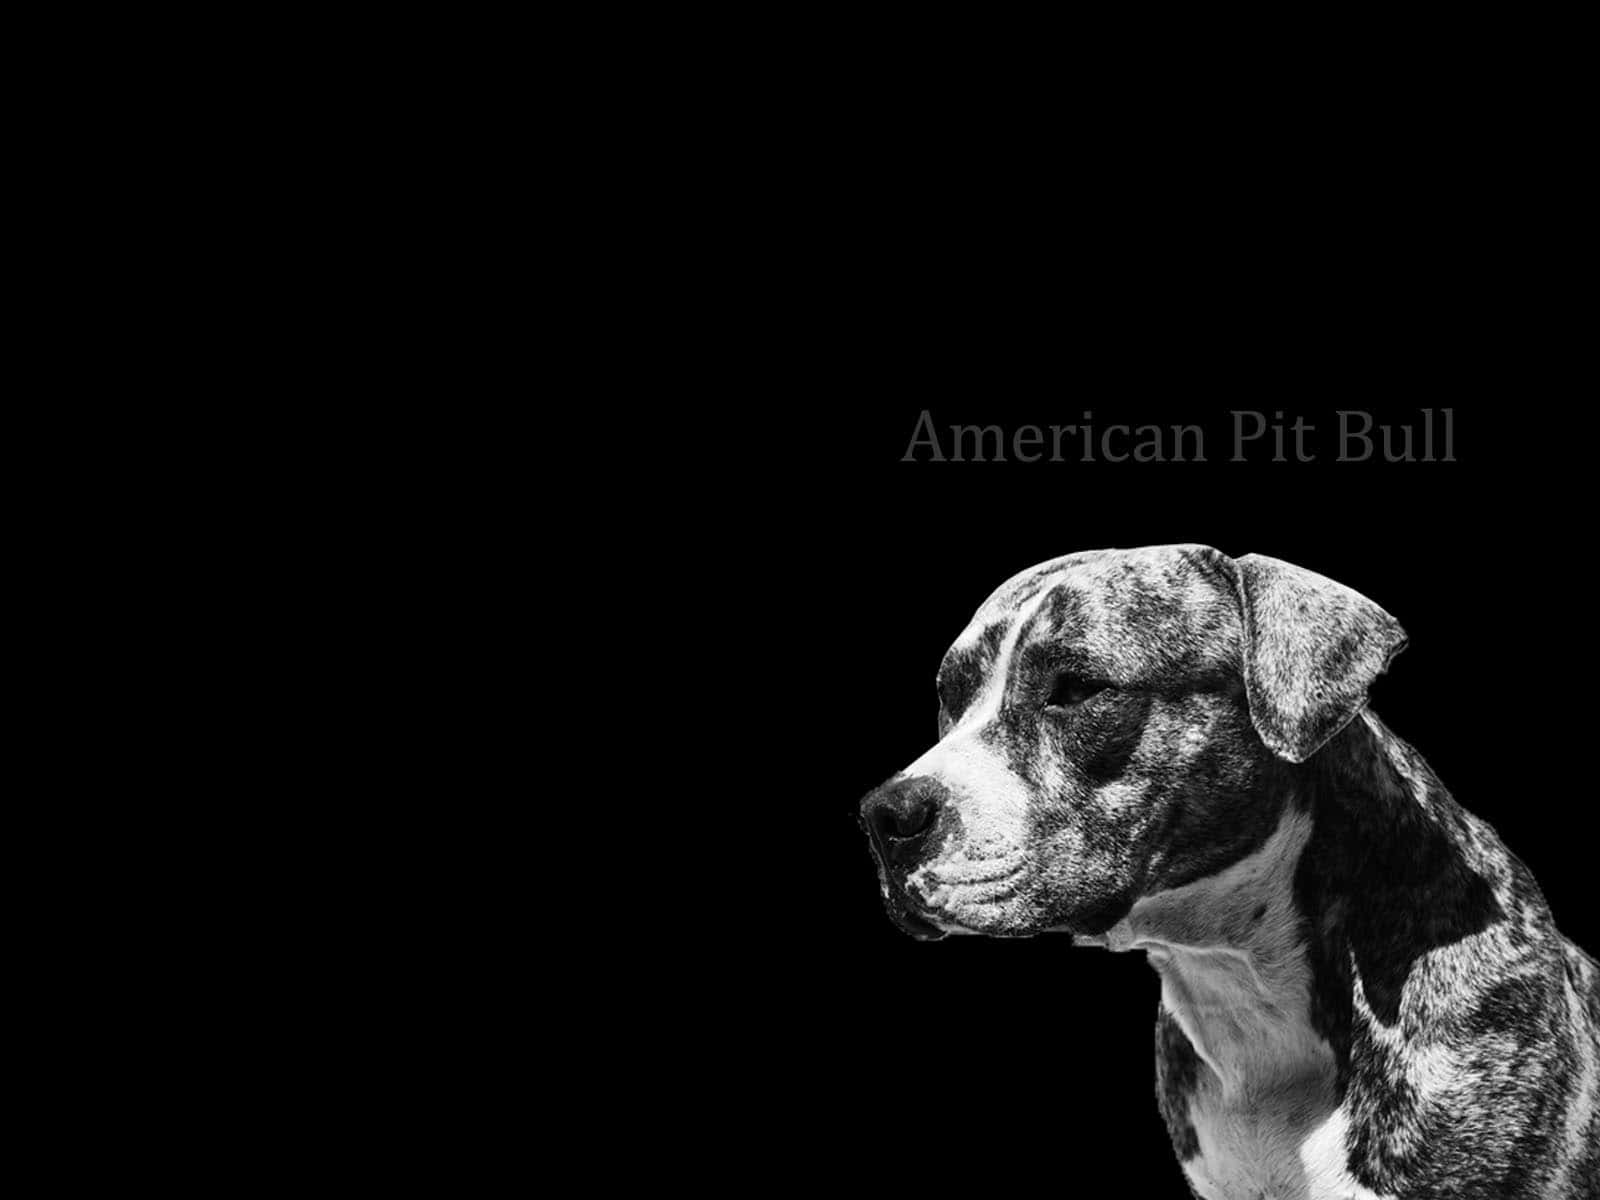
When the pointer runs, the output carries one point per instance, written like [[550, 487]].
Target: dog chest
[[1292, 1148], [1244, 1154]]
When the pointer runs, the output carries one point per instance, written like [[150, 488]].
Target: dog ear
[[1312, 648]]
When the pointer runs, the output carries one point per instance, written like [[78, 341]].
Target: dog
[[1363, 993]]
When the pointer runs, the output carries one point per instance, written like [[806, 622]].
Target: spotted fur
[[1363, 993]]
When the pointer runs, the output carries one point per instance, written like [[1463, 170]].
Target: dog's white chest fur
[[1264, 1155], [1235, 978], [1265, 1110]]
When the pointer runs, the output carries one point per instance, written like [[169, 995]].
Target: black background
[[975, 1062]]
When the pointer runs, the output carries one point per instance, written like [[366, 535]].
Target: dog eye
[[1070, 690]]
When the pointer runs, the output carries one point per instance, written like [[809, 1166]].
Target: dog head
[[1113, 724]]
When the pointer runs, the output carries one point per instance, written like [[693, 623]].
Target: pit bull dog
[[1363, 993]]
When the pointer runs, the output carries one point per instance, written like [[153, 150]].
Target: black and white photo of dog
[[1363, 992]]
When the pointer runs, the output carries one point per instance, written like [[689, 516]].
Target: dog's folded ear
[[1312, 648]]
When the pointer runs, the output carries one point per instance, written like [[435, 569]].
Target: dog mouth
[[910, 921], [902, 910], [979, 906]]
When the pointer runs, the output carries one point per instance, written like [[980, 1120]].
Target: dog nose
[[901, 814]]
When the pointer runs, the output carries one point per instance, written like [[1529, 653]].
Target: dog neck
[[1265, 964], [1233, 965], [1395, 872]]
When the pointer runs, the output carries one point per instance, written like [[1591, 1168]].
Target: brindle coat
[[1363, 992]]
